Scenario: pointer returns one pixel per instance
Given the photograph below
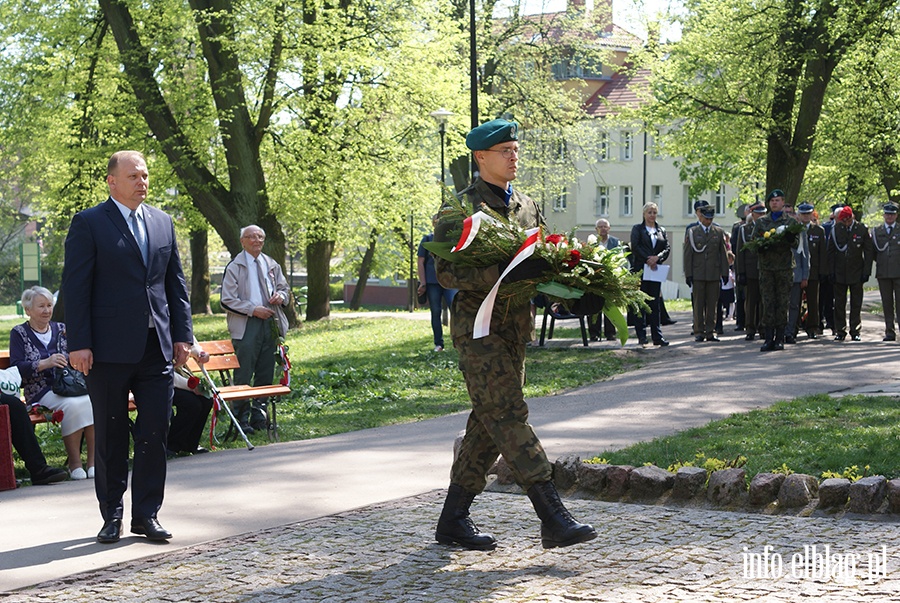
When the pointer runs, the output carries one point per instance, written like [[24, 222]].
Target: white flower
[[575, 243], [780, 229], [592, 239]]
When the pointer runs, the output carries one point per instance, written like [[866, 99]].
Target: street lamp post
[[441, 116]]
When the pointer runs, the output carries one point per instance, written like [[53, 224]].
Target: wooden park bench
[[223, 361]]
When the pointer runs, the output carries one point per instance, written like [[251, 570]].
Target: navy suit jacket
[[110, 295]]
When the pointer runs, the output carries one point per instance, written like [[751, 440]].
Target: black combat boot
[[769, 345], [558, 527], [779, 339], [455, 526]]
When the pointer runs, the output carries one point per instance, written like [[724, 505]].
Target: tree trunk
[[318, 270], [364, 269], [459, 171], [200, 272]]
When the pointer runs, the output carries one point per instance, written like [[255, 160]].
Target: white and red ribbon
[[483, 317], [285, 366], [471, 225]]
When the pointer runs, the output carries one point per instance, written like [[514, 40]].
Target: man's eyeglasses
[[507, 153]]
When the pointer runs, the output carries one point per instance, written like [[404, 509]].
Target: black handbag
[[68, 382]]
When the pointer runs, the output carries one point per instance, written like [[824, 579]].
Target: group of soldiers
[[821, 264]]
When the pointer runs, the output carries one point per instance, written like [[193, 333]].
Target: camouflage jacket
[[513, 323], [777, 257]]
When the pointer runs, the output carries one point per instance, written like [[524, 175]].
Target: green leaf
[[440, 249], [560, 291], [615, 316]]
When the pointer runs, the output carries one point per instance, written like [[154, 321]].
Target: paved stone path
[[385, 553]]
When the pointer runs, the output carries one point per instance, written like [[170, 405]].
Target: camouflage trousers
[[775, 294], [494, 371]]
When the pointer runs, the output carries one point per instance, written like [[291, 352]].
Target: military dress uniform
[[818, 263], [886, 244], [705, 265], [850, 255], [801, 274], [776, 272]]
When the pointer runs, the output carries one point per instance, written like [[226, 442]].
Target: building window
[[627, 146], [719, 197], [688, 202], [601, 203], [656, 196], [627, 201], [604, 146], [559, 203]]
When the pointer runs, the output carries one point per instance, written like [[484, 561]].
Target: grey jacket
[[236, 294]]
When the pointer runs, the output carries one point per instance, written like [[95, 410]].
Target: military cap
[[708, 211], [493, 132], [776, 192], [805, 208], [889, 208], [845, 213], [700, 203], [758, 208], [836, 207]]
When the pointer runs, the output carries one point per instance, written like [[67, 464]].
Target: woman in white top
[[36, 348]]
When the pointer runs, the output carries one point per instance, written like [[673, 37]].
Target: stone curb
[[800, 495]]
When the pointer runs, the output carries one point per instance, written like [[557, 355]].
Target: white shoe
[[90, 472], [438, 348], [78, 474]]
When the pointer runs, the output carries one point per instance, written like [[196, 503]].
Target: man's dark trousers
[[150, 380]]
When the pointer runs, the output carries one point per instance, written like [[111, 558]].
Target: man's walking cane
[[219, 403]]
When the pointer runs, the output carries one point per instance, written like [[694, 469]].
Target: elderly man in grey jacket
[[254, 293]]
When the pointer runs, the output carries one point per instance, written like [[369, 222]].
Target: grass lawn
[[354, 373], [852, 436]]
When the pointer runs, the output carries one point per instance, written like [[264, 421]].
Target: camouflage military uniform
[[493, 366], [776, 273]]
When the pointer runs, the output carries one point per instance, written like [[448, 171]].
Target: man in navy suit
[[128, 318]]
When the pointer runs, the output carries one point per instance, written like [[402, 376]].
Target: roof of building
[[622, 90]]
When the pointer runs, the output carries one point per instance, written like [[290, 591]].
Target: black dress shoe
[[713, 338], [750, 335], [840, 337], [812, 335], [699, 338], [201, 450], [661, 342], [790, 339], [150, 528], [856, 338], [890, 338], [111, 531], [49, 475]]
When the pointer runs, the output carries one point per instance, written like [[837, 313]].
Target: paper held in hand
[[659, 275]]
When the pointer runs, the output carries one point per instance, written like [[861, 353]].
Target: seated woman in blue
[[36, 347]]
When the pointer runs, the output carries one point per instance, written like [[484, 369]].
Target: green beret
[[493, 132]]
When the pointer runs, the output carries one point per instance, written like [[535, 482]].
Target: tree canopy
[[747, 83]]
